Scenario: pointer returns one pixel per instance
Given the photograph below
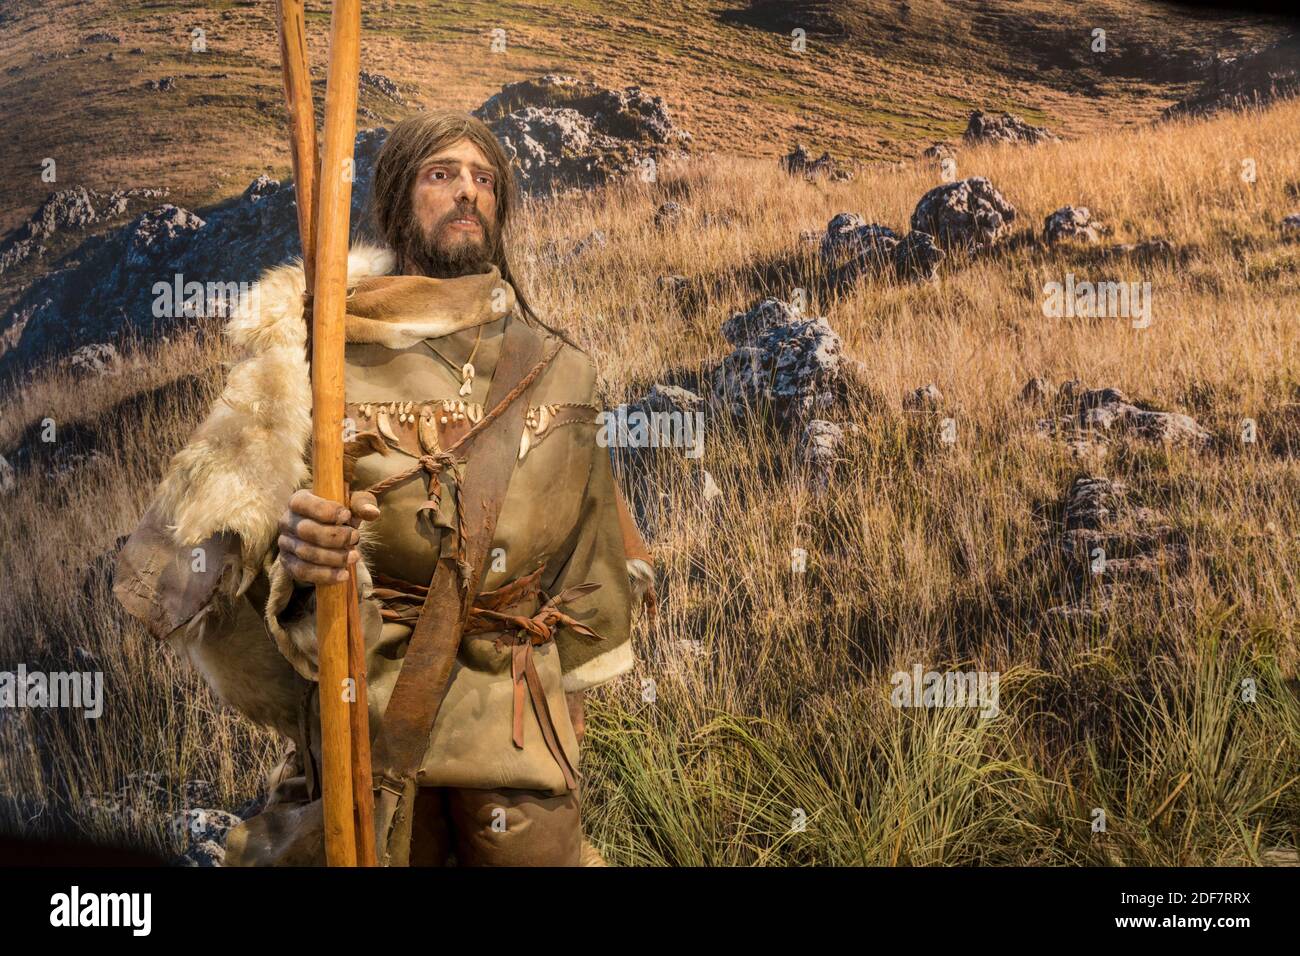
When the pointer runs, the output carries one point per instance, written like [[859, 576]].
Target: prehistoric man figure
[[224, 563]]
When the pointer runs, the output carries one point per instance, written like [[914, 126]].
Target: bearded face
[[452, 228], [451, 246]]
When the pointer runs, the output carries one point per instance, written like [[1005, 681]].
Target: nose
[[466, 190]]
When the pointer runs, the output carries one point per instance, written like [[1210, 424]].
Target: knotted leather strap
[[523, 617], [523, 634], [431, 652]]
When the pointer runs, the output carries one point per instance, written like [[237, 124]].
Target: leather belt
[[523, 617]]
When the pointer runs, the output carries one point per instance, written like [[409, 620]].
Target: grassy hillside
[[879, 78], [772, 691]]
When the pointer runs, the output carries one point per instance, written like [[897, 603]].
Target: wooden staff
[[335, 192], [362, 779], [324, 205]]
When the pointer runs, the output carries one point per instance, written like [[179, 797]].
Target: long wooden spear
[[335, 193], [324, 205]]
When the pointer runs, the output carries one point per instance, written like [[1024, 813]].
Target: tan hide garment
[[154, 580]]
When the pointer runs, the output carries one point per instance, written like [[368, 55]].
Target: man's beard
[[469, 256]]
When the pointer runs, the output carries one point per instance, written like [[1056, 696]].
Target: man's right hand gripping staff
[[319, 539]]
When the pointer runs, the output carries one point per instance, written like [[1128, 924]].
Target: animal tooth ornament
[[385, 426], [428, 432]]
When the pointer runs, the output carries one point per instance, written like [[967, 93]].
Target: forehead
[[462, 151]]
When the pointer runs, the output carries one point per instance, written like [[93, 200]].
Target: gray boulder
[[799, 162], [635, 428], [1071, 223], [148, 800], [205, 854], [63, 212], [1109, 545], [853, 247], [159, 234], [1100, 413], [94, 360], [382, 85], [202, 825], [564, 132], [745, 328], [555, 147], [988, 128], [968, 214], [851, 239], [1106, 409], [786, 365]]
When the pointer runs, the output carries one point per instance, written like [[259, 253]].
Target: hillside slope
[[879, 78]]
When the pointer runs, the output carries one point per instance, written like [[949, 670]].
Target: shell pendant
[[467, 379]]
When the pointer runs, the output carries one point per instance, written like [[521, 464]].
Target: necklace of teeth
[[539, 420], [446, 410]]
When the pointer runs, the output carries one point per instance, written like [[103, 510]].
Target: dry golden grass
[[772, 689]]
